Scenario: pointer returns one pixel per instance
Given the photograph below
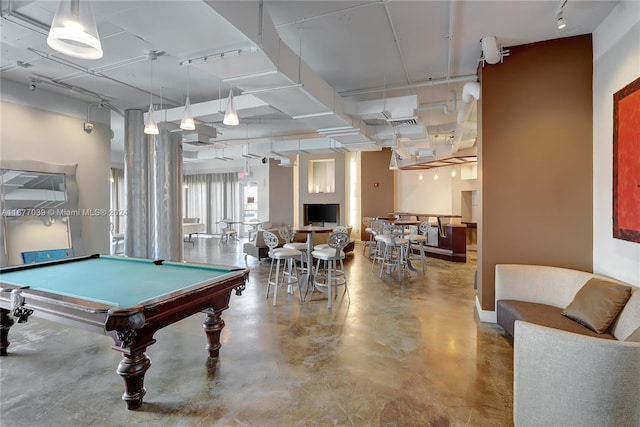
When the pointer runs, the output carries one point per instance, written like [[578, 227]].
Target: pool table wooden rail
[[131, 328]]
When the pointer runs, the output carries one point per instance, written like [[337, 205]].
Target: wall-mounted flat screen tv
[[315, 213]]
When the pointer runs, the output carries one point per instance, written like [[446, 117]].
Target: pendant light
[[187, 122], [74, 32], [230, 114], [151, 127]]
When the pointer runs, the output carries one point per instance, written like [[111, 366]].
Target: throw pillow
[[597, 304]]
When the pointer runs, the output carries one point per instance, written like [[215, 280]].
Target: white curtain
[[212, 197], [118, 203]]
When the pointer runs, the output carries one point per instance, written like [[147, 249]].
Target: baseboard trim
[[486, 316]]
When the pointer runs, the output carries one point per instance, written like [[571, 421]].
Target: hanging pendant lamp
[[151, 127], [74, 32], [230, 114], [187, 122]]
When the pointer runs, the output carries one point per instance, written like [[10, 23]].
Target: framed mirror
[[40, 216]]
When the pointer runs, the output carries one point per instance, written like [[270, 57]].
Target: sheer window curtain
[[212, 197], [118, 203]]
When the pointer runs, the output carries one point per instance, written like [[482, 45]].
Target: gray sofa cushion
[[508, 311]]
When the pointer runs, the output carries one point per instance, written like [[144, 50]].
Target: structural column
[[136, 175], [166, 190]]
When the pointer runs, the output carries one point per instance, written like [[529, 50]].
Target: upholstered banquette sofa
[[257, 247], [576, 342]]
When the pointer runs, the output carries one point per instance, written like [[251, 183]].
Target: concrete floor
[[401, 353]]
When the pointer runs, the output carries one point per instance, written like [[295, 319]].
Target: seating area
[[394, 244], [191, 226], [484, 154], [576, 345], [258, 248]]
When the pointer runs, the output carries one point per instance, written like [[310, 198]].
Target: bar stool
[[287, 256], [366, 223], [331, 276], [394, 255], [336, 229], [417, 240], [287, 234], [377, 227]]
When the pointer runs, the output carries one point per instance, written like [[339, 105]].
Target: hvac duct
[[470, 94], [490, 49]]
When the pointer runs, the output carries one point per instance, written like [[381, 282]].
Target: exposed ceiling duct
[[490, 50], [275, 74], [470, 94]]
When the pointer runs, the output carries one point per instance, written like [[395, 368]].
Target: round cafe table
[[310, 230]]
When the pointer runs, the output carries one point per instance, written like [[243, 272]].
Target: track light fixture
[[562, 23], [74, 32]]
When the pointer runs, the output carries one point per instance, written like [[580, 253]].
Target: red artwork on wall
[[626, 162]]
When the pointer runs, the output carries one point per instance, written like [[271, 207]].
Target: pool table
[[128, 299]]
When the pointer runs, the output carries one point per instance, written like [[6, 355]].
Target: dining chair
[[286, 258], [253, 231], [227, 232]]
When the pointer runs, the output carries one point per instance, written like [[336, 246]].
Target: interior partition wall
[[376, 185], [535, 160]]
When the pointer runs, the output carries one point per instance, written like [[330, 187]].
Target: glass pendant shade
[[74, 31], [230, 114], [187, 122], [151, 127]]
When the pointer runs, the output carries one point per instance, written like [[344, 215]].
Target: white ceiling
[[350, 51]]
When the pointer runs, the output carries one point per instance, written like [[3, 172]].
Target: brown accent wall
[[376, 200], [535, 160]]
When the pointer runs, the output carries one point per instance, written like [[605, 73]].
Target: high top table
[[311, 230]]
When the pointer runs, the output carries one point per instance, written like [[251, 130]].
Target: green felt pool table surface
[[115, 281]]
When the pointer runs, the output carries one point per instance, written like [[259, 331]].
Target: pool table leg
[[5, 324], [212, 326], [132, 368]]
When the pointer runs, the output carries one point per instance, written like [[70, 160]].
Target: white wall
[[616, 53], [34, 235], [340, 194], [427, 195], [28, 133]]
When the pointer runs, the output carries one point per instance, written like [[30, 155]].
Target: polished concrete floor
[[408, 352]]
